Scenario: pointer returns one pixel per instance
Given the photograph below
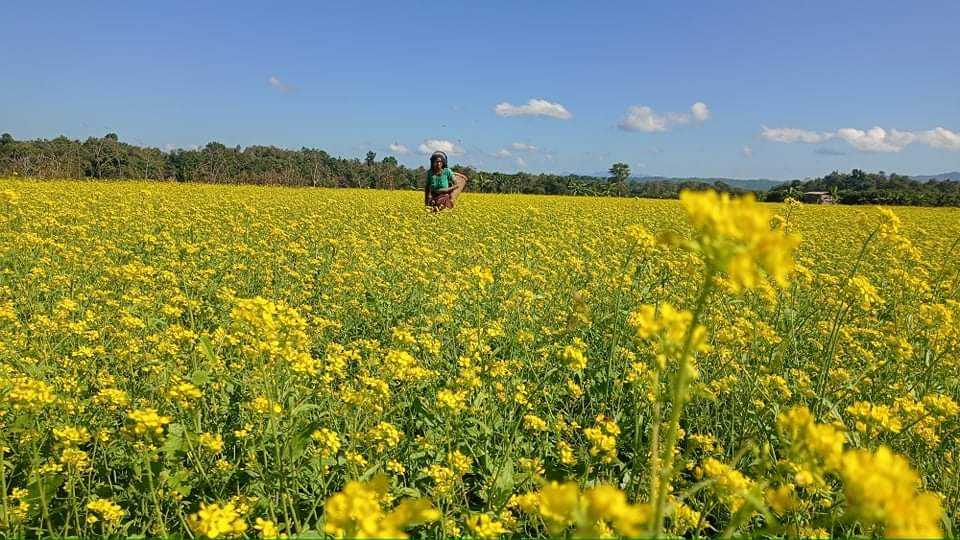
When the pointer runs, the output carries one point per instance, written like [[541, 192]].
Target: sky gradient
[[730, 89]]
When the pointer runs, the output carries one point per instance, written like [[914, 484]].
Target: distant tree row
[[859, 187], [108, 158]]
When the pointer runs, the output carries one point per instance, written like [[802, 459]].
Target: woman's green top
[[440, 181]]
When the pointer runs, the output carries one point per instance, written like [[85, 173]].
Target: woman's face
[[436, 163]]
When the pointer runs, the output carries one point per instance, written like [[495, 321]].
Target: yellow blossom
[[217, 521], [734, 236]]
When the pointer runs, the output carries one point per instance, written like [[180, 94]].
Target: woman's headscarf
[[442, 156]]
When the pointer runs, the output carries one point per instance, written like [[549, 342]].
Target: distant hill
[[955, 175], [750, 184]]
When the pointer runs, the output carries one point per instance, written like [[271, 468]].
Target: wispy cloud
[[534, 107], [399, 149], [746, 152], [791, 135], [873, 140], [430, 146], [275, 82], [515, 148], [643, 118], [524, 147], [827, 151]]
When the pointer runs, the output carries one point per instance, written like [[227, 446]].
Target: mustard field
[[222, 361]]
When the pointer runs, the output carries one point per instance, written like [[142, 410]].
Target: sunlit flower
[[217, 521], [734, 236]]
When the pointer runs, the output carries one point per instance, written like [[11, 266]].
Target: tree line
[[860, 187], [109, 158]]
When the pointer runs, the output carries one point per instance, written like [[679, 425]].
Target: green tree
[[619, 173], [371, 158]]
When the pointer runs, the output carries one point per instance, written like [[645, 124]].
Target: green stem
[[44, 511], [283, 475], [153, 496], [513, 433], [3, 488], [837, 324], [655, 420], [677, 402], [43, 506], [73, 502]]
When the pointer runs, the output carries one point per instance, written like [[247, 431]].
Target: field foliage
[[217, 361]]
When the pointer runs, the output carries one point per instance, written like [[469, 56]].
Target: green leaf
[[310, 535], [410, 492], [303, 408], [48, 484], [23, 422], [199, 377], [368, 474], [174, 442], [503, 485], [297, 443], [179, 482], [207, 349]]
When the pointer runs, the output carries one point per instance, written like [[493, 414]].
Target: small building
[[817, 197]]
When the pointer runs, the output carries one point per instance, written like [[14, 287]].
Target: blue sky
[[785, 89]]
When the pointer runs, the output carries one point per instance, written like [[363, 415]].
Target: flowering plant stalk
[[733, 238], [662, 467]]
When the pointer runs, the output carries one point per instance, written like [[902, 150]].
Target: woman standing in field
[[443, 185]]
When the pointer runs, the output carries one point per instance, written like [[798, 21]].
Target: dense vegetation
[[205, 361], [859, 187], [108, 157]]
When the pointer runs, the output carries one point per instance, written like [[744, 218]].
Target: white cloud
[[399, 149], [521, 162], [430, 146], [700, 111], [791, 135], [524, 147], [534, 107], [278, 84], [941, 138], [503, 153], [746, 151], [875, 139], [643, 118]]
